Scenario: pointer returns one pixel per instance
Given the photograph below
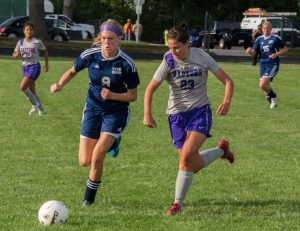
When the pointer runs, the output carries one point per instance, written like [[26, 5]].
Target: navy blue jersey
[[118, 74], [268, 46]]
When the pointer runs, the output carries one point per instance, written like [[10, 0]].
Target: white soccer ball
[[53, 212]]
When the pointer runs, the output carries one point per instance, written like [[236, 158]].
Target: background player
[[185, 69], [113, 84], [28, 48], [271, 47]]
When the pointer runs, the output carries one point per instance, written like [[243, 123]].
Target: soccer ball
[[53, 212]]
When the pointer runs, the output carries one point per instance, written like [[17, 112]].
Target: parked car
[[194, 37], [73, 32], [226, 33], [13, 28], [66, 23]]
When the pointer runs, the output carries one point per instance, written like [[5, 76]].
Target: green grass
[[39, 159]]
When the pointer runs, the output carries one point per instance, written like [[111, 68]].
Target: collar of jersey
[[111, 58]]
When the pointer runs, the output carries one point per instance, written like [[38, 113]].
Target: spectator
[[137, 30], [128, 30], [255, 34]]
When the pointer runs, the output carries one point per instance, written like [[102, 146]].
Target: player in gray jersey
[[28, 48], [185, 69]]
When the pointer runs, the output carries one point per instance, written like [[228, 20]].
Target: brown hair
[[28, 23], [179, 33]]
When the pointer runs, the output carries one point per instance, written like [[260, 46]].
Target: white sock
[[31, 97], [211, 155], [183, 182], [41, 108]]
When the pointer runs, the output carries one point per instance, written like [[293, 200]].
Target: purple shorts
[[198, 119], [32, 71]]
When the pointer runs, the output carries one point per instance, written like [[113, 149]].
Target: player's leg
[[25, 88], [268, 72]]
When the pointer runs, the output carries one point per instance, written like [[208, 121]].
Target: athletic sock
[[183, 182], [211, 155], [31, 98], [271, 94], [40, 107], [91, 190]]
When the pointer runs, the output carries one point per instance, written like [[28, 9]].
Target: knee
[[185, 162], [263, 86], [22, 88], [83, 162]]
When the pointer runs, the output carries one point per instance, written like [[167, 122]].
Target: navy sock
[[271, 94], [91, 190]]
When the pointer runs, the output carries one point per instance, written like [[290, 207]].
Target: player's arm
[[229, 87], [279, 53], [16, 54], [65, 78], [46, 58], [148, 96], [250, 51], [129, 96]]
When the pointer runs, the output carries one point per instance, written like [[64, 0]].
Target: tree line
[[160, 15]]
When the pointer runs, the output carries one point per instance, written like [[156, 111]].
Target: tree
[[37, 17], [68, 8]]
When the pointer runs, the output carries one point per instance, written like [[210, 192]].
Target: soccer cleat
[[273, 103], [87, 203], [33, 110], [224, 144], [115, 149], [174, 210], [42, 112]]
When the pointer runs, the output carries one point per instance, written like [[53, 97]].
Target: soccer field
[[39, 158]]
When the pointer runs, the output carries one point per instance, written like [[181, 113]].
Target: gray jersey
[[187, 79], [30, 50]]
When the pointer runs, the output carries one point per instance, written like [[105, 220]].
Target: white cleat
[[33, 111], [273, 103]]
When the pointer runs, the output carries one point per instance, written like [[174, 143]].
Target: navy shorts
[[95, 121], [268, 70], [32, 71], [198, 119]]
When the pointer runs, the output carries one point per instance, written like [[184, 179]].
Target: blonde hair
[[117, 29], [267, 23]]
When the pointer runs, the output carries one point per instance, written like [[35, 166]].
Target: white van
[[290, 34], [253, 22]]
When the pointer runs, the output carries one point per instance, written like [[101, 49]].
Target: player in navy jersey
[[271, 47], [28, 48], [185, 69], [113, 81]]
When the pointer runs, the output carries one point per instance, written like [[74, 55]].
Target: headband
[[111, 28]]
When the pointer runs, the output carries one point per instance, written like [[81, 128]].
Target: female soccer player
[[28, 48], [185, 69], [271, 47], [113, 81]]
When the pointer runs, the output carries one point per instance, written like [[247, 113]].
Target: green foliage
[[160, 15], [258, 192]]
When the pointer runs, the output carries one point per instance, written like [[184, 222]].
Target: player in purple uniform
[[185, 69], [28, 48], [271, 47], [113, 84]]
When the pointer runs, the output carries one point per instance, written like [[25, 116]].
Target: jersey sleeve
[[17, 48], [41, 46], [132, 77], [281, 43], [256, 47], [212, 65], [162, 72], [82, 62]]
